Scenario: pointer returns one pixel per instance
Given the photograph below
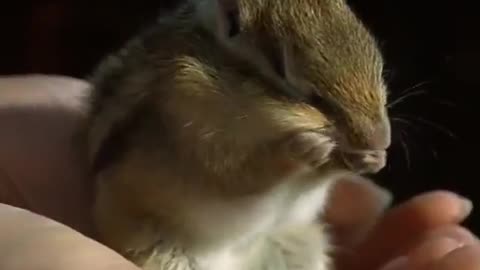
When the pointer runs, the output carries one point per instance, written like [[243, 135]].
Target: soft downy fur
[[214, 147]]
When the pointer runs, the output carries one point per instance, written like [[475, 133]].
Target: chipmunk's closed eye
[[277, 58], [321, 103], [317, 101], [233, 23]]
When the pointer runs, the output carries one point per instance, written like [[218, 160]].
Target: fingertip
[[456, 232], [432, 250], [355, 205], [383, 196], [467, 206], [464, 258], [400, 263], [352, 193], [423, 211], [405, 224]]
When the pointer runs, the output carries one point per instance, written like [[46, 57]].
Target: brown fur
[[198, 119], [334, 53]]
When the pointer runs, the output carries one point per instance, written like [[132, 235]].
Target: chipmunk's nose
[[369, 154], [380, 138]]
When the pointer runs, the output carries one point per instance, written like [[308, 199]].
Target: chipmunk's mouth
[[364, 161]]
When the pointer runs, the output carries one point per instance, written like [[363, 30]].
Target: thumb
[[31, 241], [354, 207]]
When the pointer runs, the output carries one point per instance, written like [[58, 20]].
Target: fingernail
[[456, 233], [399, 263], [385, 196], [467, 206]]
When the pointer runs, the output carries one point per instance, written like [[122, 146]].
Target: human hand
[[423, 233], [39, 171]]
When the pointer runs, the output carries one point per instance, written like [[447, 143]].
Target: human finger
[[40, 168], [464, 258], [31, 241], [400, 228], [355, 204]]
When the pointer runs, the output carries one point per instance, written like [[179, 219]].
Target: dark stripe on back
[[117, 142]]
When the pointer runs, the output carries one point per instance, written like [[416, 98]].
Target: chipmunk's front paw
[[311, 148]]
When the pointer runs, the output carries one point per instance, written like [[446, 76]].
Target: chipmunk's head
[[315, 54], [322, 50]]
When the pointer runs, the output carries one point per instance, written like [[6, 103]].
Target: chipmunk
[[215, 134]]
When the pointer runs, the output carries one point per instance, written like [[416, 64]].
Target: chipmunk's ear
[[219, 16]]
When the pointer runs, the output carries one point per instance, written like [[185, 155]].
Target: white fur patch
[[288, 208]]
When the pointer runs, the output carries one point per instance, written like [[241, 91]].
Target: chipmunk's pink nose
[[381, 136]]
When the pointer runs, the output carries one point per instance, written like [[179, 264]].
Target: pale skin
[[41, 173]]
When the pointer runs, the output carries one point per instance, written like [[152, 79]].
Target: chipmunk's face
[[329, 60]]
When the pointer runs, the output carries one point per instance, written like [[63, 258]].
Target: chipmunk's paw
[[311, 148]]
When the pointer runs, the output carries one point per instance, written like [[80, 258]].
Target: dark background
[[432, 56]]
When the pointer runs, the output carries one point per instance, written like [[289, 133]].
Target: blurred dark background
[[432, 56]]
